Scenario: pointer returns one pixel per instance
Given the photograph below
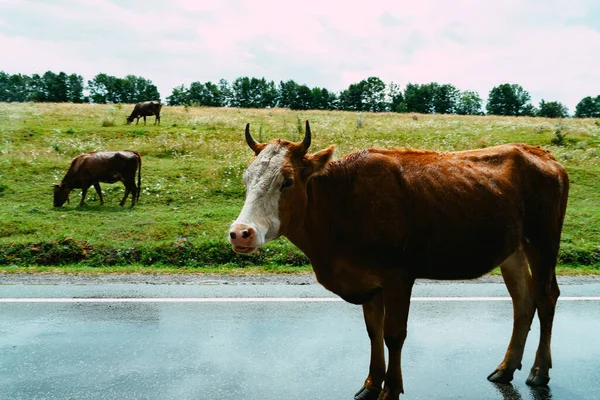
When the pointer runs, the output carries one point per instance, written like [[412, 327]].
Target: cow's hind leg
[[517, 278], [127, 191], [373, 312], [542, 260]]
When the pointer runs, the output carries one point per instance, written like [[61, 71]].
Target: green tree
[[75, 89], [287, 94], [300, 97], [323, 99], [265, 93], [445, 98], [226, 92], [240, 89], [366, 95], [131, 89], [512, 100], [351, 99], [179, 96], [396, 98], [100, 88], [469, 103], [419, 98], [56, 87], [205, 94], [552, 109], [253, 93], [588, 107], [37, 88], [5, 92], [373, 95], [304, 98], [14, 87]]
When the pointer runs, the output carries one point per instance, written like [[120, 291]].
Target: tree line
[[371, 94], [57, 88]]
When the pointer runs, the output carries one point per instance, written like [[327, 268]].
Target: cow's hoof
[[386, 394], [537, 378], [366, 393], [501, 376]]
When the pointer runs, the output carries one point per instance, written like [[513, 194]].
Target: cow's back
[[429, 211]]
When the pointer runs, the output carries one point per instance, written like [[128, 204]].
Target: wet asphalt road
[[157, 348]]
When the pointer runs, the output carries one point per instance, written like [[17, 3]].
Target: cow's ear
[[317, 163], [56, 186]]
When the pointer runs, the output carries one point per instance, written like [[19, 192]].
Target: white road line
[[253, 299]]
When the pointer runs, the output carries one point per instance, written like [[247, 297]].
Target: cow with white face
[[374, 221], [275, 190]]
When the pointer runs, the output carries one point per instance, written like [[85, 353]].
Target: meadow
[[192, 187]]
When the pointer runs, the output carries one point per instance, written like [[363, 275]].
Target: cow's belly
[[462, 259]]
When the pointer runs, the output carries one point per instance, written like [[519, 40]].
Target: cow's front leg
[[396, 297], [99, 191], [373, 312]]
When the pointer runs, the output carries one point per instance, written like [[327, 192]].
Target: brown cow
[[101, 166], [374, 221], [145, 109]]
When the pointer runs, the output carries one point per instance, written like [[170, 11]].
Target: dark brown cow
[[101, 166], [374, 221], [145, 109]]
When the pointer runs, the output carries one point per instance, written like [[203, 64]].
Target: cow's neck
[[312, 235], [318, 237]]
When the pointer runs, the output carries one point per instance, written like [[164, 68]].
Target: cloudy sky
[[550, 47]]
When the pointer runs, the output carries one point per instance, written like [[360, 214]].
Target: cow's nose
[[241, 235]]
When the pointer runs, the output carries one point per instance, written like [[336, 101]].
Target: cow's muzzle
[[243, 239]]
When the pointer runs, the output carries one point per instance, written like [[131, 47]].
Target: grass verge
[[192, 188]]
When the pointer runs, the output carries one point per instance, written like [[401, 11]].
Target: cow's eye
[[287, 182]]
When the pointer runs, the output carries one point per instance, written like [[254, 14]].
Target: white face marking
[[263, 180]]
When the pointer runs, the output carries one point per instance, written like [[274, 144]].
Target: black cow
[[145, 109], [101, 166]]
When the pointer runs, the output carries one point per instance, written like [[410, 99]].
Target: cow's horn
[[306, 141], [254, 145]]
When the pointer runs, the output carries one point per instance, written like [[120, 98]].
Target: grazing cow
[[374, 221], [145, 109], [101, 166]]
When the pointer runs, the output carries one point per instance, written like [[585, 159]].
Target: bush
[[559, 136], [182, 253], [108, 121]]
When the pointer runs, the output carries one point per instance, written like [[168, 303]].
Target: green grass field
[[191, 180]]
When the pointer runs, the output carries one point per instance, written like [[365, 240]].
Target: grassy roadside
[[219, 270], [191, 182], [227, 269]]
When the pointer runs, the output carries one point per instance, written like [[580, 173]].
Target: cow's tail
[[139, 182]]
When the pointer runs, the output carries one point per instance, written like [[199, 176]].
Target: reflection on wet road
[[274, 350]]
